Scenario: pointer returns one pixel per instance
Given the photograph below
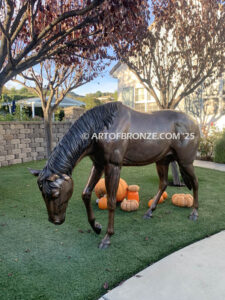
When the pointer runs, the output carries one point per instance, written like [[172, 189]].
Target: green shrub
[[206, 148], [59, 115], [220, 149], [207, 144], [17, 116], [6, 117]]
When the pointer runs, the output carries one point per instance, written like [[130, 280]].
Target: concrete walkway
[[196, 272], [209, 165]]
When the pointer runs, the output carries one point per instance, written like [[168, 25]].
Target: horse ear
[[66, 177], [53, 177], [34, 172]]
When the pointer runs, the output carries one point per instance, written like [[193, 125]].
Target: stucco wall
[[126, 78]]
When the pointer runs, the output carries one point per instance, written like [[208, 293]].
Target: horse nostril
[[58, 222]]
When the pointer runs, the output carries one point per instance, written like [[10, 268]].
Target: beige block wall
[[25, 141]]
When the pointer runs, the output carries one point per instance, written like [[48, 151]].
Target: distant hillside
[[94, 99], [10, 94], [74, 95]]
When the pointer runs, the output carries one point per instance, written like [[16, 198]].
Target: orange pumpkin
[[183, 200], [122, 190], [100, 189], [102, 203], [152, 200], [165, 195], [132, 193], [129, 205]]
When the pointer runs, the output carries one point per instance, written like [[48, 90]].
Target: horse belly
[[145, 152]]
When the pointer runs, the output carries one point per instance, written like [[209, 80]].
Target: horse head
[[56, 191]]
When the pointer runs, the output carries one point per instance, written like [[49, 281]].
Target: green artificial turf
[[39, 260]]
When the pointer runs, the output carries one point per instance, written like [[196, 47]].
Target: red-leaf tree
[[183, 47], [51, 82], [34, 30]]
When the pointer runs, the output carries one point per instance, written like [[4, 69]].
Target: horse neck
[[70, 150], [73, 145]]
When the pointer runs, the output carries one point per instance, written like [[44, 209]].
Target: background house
[[205, 104], [70, 106], [131, 91]]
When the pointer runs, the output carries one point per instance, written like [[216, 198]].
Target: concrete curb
[[209, 165], [196, 272]]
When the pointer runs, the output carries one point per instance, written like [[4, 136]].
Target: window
[[139, 95], [148, 96], [152, 106], [140, 106], [146, 107], [127, 96]]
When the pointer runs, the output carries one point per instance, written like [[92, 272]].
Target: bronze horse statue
[[110, 154]]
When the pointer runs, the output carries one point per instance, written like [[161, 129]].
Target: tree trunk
[[174, 168], [48, 132], [1, 88]]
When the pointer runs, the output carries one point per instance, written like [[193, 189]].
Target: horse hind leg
[[162, 169], [191, 181]]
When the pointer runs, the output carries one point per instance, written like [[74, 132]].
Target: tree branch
[[18, 22], [68, 14]]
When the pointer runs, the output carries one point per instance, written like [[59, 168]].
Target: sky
[[104, 83]]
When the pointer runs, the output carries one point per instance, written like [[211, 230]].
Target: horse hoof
[[147, 216], [193, 217], [104, 245], [97, 228]]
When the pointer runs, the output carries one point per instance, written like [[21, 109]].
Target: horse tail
[[186, 178]]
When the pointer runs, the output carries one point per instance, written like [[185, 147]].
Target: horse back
[[143, 142]]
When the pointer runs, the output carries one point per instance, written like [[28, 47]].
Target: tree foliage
[[68, 31], [51, 82], [207, 105], [92, 100], [183, 47], [10, 94]]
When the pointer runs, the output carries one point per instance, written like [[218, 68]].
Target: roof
[[115, 68], [66, 102]]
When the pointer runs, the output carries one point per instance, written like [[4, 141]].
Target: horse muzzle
[[56, 220]]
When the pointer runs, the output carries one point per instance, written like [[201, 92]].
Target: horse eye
[[55, 193]]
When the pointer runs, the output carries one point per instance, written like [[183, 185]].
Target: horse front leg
[[112, 177], [162, 170], [95, 175]]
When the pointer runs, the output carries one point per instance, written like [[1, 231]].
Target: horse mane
[[64, 156]]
